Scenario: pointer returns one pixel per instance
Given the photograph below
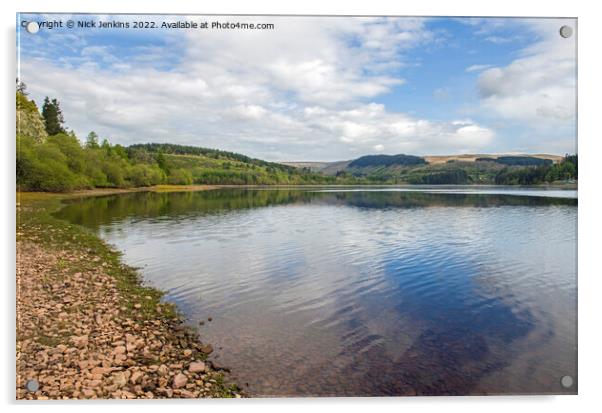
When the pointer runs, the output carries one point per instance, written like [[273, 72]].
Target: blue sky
[[314, 88]]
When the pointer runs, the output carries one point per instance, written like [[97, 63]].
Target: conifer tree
[[53, 117]]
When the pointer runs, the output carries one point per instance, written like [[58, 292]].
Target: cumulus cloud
[[540, 84], [303, 91], [371, 127]]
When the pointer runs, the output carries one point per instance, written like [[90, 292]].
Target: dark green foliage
[[454, 177], [518, 160], [160, 158], [565, 170], [524, 176], [387, 160], [92, 140], [53, 117]]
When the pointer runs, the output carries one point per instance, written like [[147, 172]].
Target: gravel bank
[[87, 329]]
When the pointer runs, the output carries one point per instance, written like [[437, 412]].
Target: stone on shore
[[197, 367], [179, 380], [78, 337]]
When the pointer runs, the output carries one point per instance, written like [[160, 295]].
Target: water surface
[[335, 291]]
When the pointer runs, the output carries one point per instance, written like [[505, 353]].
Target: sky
[[312, 88]]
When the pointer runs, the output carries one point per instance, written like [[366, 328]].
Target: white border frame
[[589, 197]]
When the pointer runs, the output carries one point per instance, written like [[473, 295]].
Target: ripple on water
[[364, 293]]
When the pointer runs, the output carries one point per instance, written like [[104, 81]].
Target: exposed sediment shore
[[87, 328]]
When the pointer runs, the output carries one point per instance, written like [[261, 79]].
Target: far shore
[[196, 188]]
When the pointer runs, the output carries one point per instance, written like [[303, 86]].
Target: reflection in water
[[363, 292]]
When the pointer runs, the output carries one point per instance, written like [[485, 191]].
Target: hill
[[326, 168], [449, 169], [192, 164], [438, 159], [51, 158]]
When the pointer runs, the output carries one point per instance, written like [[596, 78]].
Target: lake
[[363, 291]]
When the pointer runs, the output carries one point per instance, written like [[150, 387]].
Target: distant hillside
[[327, 168], [51, 158], [444, 169], [517, 160], [386, 160], [169, 148], [436, 159], [196, 164]]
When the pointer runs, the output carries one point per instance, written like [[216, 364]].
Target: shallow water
[[363, 292]]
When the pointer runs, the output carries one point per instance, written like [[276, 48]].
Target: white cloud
[[477, 68], [303, 91], [371, 127], [538, 86]]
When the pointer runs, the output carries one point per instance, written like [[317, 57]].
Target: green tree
[[70, 146], [106, 146], [180, 177], [53, 116], [160, 158], [92, 141]]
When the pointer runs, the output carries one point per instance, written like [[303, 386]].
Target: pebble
[[197, 367], [89, 346], [179, 380]]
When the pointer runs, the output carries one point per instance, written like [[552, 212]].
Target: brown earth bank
[[88, 329]]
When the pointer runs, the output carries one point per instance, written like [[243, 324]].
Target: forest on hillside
[[50, 157]]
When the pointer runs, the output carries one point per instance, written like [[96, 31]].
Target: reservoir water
[[359, 291]]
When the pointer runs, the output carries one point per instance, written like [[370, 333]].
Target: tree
[[53, 117], [21, 87], [160, 159], [106, 146], [92, 141]]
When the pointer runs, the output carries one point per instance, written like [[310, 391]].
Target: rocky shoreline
[[87, 329]]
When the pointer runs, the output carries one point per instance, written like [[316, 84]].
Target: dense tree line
[[564, 170], [387, 160], [453, 177], [55, 159], [50, 157], [517, 160], [61, 163]]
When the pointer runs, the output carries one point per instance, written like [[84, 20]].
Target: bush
[[145, 175], [44, 167], [180, 177]]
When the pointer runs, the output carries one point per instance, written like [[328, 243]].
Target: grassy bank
[[88, 328]]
